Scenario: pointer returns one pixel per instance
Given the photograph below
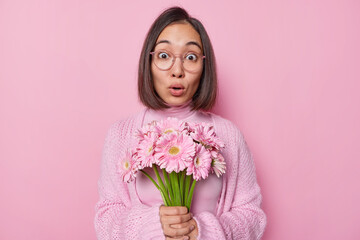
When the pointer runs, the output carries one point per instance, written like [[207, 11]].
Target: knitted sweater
[[121, 215]]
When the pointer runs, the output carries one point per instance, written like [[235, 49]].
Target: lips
[[177, 90]]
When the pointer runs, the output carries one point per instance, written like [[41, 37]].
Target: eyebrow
[[187, 44]]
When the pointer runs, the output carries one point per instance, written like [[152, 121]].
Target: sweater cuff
[[208, 227]]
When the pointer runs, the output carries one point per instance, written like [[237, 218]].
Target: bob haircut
[[205, 96]]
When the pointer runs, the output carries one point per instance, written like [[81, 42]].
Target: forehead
[[179, 34]]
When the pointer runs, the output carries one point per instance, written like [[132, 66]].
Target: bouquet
[[185, 152]]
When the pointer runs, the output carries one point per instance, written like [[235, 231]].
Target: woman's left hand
[[194, 233]]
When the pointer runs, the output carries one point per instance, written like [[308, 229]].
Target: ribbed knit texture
[[121, 215]]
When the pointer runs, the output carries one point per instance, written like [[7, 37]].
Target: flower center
[[126, 165], [169, 130], [150, 149], [174, 150], [197, 161]]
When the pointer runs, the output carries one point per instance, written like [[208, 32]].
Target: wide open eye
[[163, 55], [191, 57]]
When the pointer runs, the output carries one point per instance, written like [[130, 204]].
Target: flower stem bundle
[[185, 152]]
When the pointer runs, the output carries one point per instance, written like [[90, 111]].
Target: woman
[[177, 78]]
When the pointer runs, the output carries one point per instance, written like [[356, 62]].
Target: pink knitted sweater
[[120, 214]]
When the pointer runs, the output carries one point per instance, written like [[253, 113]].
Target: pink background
[[289, 78]]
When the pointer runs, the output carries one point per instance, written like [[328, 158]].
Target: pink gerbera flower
[[218, 165], [205, 134], [201, 164], [173, 151], [146, 149], [127, 166], [188, 127], [146, 130], [171, 125]]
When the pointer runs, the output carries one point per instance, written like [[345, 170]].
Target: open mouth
[[177, 87], [176, 90]]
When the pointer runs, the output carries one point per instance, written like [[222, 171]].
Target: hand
[[194, 233], [176, 222]]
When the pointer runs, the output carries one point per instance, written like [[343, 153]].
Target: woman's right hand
[[175, 222]]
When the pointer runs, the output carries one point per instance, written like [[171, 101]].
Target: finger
[[178, 210], [172, 232], [182, 238], [167, 220], [183, 225]]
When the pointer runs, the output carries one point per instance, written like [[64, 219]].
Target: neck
[[179, 111]]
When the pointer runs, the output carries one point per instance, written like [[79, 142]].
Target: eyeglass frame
[[180, 56]]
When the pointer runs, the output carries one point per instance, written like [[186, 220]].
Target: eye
[[163, 55], [191, 56]]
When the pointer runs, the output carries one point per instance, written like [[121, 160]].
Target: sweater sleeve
[[117, 215], [243, 219]]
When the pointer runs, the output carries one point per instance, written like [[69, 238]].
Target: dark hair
[[205, 96]]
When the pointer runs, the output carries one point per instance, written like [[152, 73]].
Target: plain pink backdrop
[[289, 76]]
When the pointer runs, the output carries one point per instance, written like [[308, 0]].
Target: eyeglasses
[[191, 61]]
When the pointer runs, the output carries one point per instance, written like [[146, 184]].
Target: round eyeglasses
[[191, 61]]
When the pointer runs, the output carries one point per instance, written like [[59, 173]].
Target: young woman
[[177, 78]]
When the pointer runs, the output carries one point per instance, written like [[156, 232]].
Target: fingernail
[[192, 227], [186, 238]]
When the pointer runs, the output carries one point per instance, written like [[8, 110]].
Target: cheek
[[158, 78], [154, 75], [195, 87], [195, 83]]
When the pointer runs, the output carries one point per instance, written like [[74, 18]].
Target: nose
[[177, 70]]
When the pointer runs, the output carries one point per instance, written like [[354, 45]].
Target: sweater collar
[[181, 112]]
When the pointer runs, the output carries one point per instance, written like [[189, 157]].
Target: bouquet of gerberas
[[186, 153]]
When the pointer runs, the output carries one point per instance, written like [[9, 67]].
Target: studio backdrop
[[288, 78]]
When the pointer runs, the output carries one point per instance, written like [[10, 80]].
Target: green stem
[[189, 200], [177, 188], [146, 174], [171, 177], [166, 200], [187, 188], [174, 188], [182, 177], [162, 186], [158, 187], [168, 185]]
